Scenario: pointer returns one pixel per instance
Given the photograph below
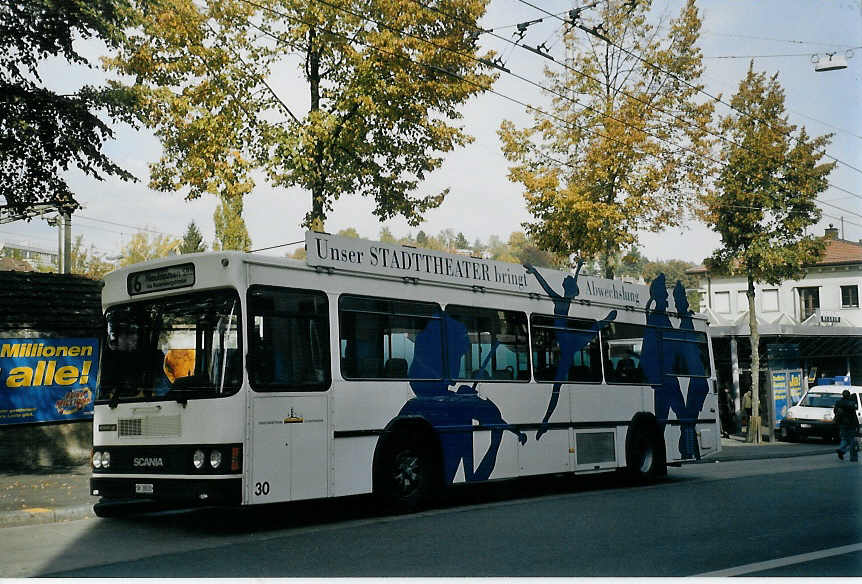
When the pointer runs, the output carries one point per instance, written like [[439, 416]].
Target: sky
[[783, 36]]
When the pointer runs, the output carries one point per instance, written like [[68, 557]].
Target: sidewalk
[[63, 494], [56, 494], [736, 448]]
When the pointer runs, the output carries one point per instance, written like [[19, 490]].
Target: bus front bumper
[[200, 491]]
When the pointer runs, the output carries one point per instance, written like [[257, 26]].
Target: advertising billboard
[[47, 380]]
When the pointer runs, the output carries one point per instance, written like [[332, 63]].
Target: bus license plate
[[144, 488], [806, 425]]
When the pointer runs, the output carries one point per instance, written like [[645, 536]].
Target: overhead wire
[[656, 108], [441, 70], [136, 227], [690, 85], [759, 38], [520, 77]]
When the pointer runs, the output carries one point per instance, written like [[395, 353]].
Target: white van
[[812, 416]]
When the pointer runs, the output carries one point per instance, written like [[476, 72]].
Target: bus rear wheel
[[645, 455], [405, 476]]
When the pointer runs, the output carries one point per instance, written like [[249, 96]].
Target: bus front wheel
[[404, 478]]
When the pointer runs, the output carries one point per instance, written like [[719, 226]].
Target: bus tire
[[645, 453], [405, 474]]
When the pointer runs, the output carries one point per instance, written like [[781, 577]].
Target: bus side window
[[687, 353], [289, 334], [552, 335], [379, 338], [622, 344], [499, 349]]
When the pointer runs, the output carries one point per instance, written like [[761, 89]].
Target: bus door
[[289, 373], [289, 448]]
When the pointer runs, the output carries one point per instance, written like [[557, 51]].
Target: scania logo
[[149, 461]]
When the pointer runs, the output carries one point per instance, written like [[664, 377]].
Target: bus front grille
[[150, 426]]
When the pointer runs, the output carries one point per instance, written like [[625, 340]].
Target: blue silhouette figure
[[570, 341], [667, 391], [452, 413], [698, 387]]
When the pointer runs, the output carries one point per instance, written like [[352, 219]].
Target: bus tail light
[[235, 459]]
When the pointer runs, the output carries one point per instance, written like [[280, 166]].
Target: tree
[[384, 79], [193, 241], [526, 252], [386, 235], [461, 241], [674, 271], [500, 250], [349, 232], [765, 199], [632, 263], [629, 151], [43, 132], [143, 246], [230, 230], [87, 262], [298, 254]]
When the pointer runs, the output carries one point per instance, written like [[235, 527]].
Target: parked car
[[812, 416]]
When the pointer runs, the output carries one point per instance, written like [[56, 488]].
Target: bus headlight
[[215, 458], [97, 459], [106, 459], [198, 459]]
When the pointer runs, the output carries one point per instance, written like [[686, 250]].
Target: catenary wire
[[690, 124], [683, 81], [441, 70]]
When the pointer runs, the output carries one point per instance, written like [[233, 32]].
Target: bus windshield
[[178, 347]]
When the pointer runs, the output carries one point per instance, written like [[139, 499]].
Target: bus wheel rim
[[406, 473]]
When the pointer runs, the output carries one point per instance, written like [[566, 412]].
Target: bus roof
[[364, 257]]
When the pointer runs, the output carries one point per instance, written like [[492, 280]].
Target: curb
[[45, 515], [727, 457]]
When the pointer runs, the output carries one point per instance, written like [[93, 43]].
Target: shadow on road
[[262, 518]]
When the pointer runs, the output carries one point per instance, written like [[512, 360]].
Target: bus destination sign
[[168, 278]]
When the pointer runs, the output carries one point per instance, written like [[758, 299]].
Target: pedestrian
[[746, 408], [848, 425], [725, 412]]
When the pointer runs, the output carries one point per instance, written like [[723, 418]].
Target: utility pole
[[64, 241]]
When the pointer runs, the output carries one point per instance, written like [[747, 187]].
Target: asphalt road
[[779, 517]]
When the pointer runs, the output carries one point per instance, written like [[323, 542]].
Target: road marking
[[37, 510], [780, 562]]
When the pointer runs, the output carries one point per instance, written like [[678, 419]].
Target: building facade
[[32, 254], [813, 324]]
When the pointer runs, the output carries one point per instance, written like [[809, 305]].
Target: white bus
[[232, 378]]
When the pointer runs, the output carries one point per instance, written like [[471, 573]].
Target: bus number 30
[[261, 488]]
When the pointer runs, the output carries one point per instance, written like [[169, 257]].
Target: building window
[[770, 301], [809, 302], [722, 302], [741, 301], [850, 296]]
